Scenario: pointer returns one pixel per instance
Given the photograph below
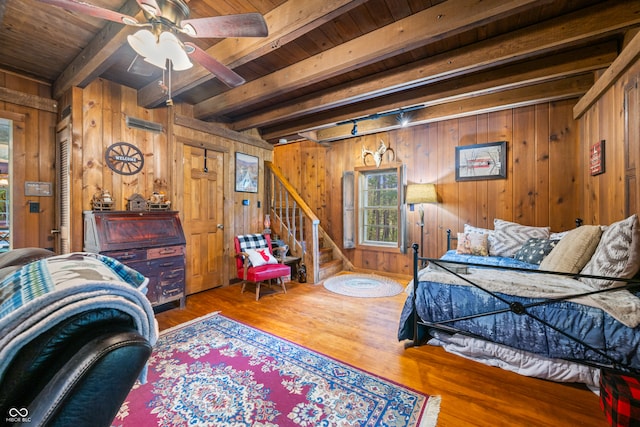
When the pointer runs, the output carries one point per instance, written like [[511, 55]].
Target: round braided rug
[[363, 285]]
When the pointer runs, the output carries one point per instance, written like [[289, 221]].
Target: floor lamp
[[417, 194]]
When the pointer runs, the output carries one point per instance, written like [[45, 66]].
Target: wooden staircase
[[297, 225], [329, 266]]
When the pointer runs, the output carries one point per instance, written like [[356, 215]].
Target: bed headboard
[[451, 237]]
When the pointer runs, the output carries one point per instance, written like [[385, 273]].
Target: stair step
[[326, 255], [330, 268]]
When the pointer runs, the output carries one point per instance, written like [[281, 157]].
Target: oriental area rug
[[215, 371], [363, 285]]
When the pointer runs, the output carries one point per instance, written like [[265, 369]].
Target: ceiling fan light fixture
[[171, 48], [143, 42], [159, 60]]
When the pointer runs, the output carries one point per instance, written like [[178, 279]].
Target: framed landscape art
[[246, 173]]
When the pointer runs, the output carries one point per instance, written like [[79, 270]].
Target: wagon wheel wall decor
[[124, 158]]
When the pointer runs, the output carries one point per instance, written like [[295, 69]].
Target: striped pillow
[[617, 254], [508, 237]]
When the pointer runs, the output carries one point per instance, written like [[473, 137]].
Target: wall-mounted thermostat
[[32, 188]]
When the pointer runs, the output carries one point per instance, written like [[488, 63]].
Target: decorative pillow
[[574, 250], [252, 241], [473, 244], [471, 229], [259, 257], [508, 237], [559, 235], [534, 250], [617, 254]]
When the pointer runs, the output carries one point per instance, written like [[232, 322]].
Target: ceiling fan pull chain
[[170, 100]]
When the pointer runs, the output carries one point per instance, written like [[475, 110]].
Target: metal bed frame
[[633, 285]]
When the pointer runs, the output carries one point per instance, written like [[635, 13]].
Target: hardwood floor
[[362, 332]]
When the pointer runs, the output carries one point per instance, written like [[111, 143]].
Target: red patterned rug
[[215, 371]]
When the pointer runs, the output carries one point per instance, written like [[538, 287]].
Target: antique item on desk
[[102, 201], [157, 202], [136, 203]]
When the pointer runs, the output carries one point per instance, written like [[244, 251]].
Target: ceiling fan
[[166, 19]]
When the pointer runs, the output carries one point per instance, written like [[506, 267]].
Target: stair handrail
[[292, 191], [310, 252]]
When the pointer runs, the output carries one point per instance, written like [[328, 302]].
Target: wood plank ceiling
[[329, 64]]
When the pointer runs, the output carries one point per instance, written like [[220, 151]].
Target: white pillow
[[261, 256]]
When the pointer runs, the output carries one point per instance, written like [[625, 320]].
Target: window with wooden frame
[[379, 217]]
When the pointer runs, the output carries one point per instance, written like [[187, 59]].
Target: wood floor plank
[[363, 332]]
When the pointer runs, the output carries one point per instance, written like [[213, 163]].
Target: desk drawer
[[165, 252], [170, 286], [128, 256]]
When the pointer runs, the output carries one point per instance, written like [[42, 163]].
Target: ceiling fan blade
[[150, 6], [221, 71], [243, 25], [92, 10]]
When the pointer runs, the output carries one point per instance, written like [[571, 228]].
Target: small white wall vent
[[145, 125]]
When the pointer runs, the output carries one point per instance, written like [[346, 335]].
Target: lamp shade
[[421, 193], [156, 50], [170, 46], [143, 42]]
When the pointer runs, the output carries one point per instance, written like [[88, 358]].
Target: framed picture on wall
[[481, 161], [597, 158], [246, 173]]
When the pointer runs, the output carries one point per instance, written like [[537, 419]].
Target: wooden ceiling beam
[[579, 27], [513, 98], [443, 20], [287, 22], [27, 100], [98, 54], [499, 79]]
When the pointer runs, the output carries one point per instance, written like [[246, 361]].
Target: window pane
[[379, 208]]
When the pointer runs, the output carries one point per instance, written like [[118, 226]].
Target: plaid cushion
[[620, 398], [252, 241]]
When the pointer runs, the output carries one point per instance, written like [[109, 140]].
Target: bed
[[559, 306]]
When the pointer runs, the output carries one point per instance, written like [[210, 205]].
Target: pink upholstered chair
[[256, 263]]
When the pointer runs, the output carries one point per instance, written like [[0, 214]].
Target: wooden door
[[62, 233], [203, 218], [631, 146]]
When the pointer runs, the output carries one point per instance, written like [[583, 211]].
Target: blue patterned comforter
[[438, 302]]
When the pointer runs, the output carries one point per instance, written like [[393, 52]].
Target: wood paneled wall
[[541, 188], [98, 119], [615, 194], [33, 155]]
